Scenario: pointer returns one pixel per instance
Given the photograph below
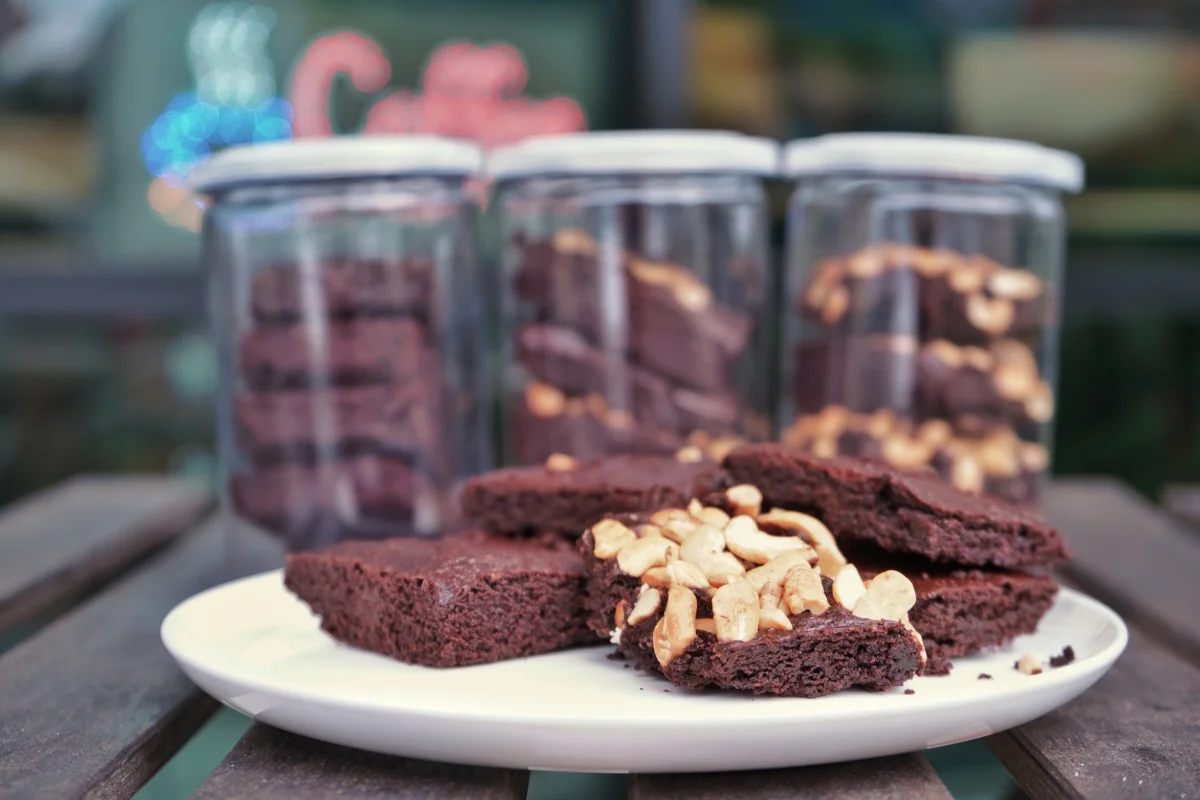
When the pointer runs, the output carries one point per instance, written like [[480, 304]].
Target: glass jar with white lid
[[346, 314], [922, 289], [634, 293]]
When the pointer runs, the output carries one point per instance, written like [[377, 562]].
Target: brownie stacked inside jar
[[635, 282], [665, 381], [338, 412], [959, 390]]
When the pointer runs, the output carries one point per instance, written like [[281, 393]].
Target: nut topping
[[560, 462], [648, 530], [707, 625], [803, 591], [675, 523], [745, 499], [676, 630], [610, 536], [745, 540], [1029, 664], [837, 303], [946, 352], [635, 557], [619, 615], [685, 574], [691, 454], [1015, 382], [1014, 284], [916, 637], [966, 474], [866, 263], [829, 557], [967, 277], [1034, 457], [1040, 407], [978, 358], [990, 316], [848, 587], [736, 612], [574, 241], [775, 570], [934, 432], [544, 400], [646, 606], [889, 596], [905, 453], [773, 619], [710, 515]]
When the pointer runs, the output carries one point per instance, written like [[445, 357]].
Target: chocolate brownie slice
[[901, 512], [672, 323], [544, 421], [327, 423], [710, 600], [960, 612], [344, 288], [367, 495], [345, 352], [550, 499], [563, 358], [969, 300], [466, 599]]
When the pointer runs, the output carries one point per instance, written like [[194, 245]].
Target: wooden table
[[92, 706]]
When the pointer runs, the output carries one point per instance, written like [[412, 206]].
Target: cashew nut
[[745, 499], [646, 606], [889, 596], [735, 612], [691, 454], [990, 316], [829, 557], [1014, 284], [848, 587], [776, 569], [803, 591], [560, 462], [709, 515], [773, 618], [676, 523], [916, 637], [637, 556], [677, 628], [707, 625], [610, 537], [745, 540]]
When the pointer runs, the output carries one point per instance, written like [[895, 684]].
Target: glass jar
[[633, 298], [345, 312], [922, 293]]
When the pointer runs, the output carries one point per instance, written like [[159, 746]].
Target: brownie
[[543, 421], [820, 650], [969, 300], [346, 288], [353, 352], [326, 423], [973, 455], [819, 656], [466, 599], [563, 358], [365, 495], [524, 500], [864, 501], [672, 325], [960, 612]]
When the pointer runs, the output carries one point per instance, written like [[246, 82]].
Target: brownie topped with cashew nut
[[909, 513], [725, 595]]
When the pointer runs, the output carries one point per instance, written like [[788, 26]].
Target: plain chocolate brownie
[[466, 599], [915, 513], [345, 288], [358, 351], [525, 500], [328, 423]]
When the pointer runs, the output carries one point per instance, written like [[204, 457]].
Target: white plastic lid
[[636, 152], [337, 157], [969, 157]]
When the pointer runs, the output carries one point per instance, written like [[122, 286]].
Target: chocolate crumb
[[910, 691], [668, 691], [616, 655], [983, 676], [1063, 658]]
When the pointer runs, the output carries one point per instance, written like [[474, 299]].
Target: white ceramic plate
[[256, 648]]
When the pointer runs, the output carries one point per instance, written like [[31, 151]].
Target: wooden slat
[[269, 763], [1132, 556], [1183, 501], [60, 544], [93, 705], [908, 777], [1134, 734]]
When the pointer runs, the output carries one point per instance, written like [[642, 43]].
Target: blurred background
[[105, 106]]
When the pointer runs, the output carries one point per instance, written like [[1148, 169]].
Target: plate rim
[[1049, 680]]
